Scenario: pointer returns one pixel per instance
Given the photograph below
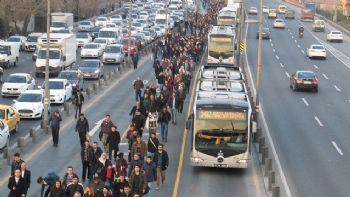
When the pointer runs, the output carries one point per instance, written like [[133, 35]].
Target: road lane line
[[293, 37], [288, 29], [273, 50], [277, 57], [318, 121], [295, 41], [325, 76], [281, 65], [298, 46], [315, 66], [290, 33], [304, 100], [303, 51], [270, 40], [339, 90], [288, 75], [336, 147], [271, 44]]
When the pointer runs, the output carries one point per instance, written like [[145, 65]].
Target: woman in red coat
[[121, 165], [171, 83]]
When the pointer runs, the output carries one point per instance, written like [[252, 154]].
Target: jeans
[[151, 154], [181, 106], [174, 115], [104, 140], [55, 134], [135, 64], [138, 95], [164, 128], [78, 108], [86, 165], [150, 189], [91, 175]]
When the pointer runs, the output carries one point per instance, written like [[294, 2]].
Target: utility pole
[[129, 35], [47, 90], [258, 77], [336, 11], [186, 12], [166, 16], [242, 24]]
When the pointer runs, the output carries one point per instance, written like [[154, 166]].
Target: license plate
[[87, 75], [307, 82], [110, 60], [25, 114], [12, 91], [220, 165], [32, 48]]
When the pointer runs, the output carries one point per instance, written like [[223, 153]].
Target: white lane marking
[[298, 46], [288, 75], [336, 147], [277, 57], [270, 40], [288, 29], [290, 33], [325, 76], [318, 121], [293, 37], [281, 65], [315, 66], [273, 50], [295, 41], [271, 44], [303, 51], [273, 149], [304, 100], [339, 90]]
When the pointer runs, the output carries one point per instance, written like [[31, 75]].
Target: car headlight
[[74, 84], [3, 87], [97, 71], [21, 88], [36, 107], [59, 94]]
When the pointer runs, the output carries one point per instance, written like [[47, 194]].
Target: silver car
[[114, 53], [144, 23], [119, 24], [83, 38], [85, 26], [147, 36], [92, 68]]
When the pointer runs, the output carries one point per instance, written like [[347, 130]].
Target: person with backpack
[[135, 59], [49, 181]]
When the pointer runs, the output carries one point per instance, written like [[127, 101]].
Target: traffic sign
[[241, 46]]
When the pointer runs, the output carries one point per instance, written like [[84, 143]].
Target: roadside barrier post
[[66, 108], [261, 143], [105, 78], [7, 152], [111, 75], [264, 155], [32, 134], [88, 92], [94, 87], [268, 166], [276, 191], [116, 71], [123, 65], [20, 143], [271, 180], [100, 83], [257, 135]]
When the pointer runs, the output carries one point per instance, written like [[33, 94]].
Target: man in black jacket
[[181, 96], [131, 140], [82, 127], [55, 121], [16, 163], [26, 175], [75, 186], [79, 101], [113, 141], [86, 155], [139, 122], [16, 185], [97, 152], [161, 160]]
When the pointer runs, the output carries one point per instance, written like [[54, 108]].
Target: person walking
[[82, 127], [79, 101], [163, 119], [97, 152], [139, 148], [89, 191], [151, 123], [127, 192], [136, 108], [100, 168], [136, 161], [131, 141], [54, 122], [73, 187], [97, 185], [181, 96], [106, 127], [113, 141], [161, 160], [138, 86], [16, 163], [57, 190], [119, 185], [135, 60], [67, 178], [86, 155], [17, 185], [121, 165], [139, 122], [173, 105], [152, 145], [26, 175], [138, 180], [151, 173]]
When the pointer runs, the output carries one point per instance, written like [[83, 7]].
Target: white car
[[266, 9], [115, 18], [91, 50], [162, 29], [133, 30], [180, 15], [114, 53], [60, 90], [335, 36], [111, 25], [279, 23], [174, 7], [158, 31], [4, 135], [30, 104], [253, 10], [119, 24], [18, 40], [83, 38], [102, 41], [143, 15], [101, 21], [16, 83], [316, 50], [137, 25], [85, 26], [148, 36]]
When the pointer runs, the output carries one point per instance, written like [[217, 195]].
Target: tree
[[3, 29]]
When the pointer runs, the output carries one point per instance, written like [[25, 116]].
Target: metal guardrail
[[117, 11]]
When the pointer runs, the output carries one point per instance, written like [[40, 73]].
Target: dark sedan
[[304, 80], [95, 32], [74, 77], [265, 33]]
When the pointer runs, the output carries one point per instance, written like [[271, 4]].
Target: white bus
[[227, 18], [221, 45], [221, 124]]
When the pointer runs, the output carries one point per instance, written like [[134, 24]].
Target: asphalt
[[308, 130]]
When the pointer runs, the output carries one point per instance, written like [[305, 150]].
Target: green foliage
[[3, 31]]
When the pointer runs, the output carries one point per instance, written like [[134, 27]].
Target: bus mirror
[[188, 124], [254, 127]]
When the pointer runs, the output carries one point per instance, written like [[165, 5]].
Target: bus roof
[[221, 73], [223, 30], [220, 85]]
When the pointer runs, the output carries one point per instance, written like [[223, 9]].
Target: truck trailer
[[60, 21]]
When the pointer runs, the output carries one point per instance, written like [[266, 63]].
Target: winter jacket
[[170, 102], [152, 106], [133, 163], [100, 170], [138, 85], [113, 140], [164, 117], [139, 121], [106, 126], [117, 186], [57, 192], [64, 182], [54, 120], [120, 166], [153, 147], [15, 165], [90, 154], [98, 187], [142, 182], [165, 159], [150, 170], [143, 149], [72, 188], [82, 125], [151, 122], [96, 155], [131, 141]]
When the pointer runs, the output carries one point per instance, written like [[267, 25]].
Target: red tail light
[[299, 81], [315, 81], [312, 50], [324, 51]]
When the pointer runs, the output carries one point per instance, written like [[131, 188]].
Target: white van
[[272, 13], [111, 34], [318, 25], [282, 9], [9, 54]]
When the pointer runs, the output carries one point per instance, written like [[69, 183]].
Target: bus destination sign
[[222, 115], [226, 20], [221, 39]]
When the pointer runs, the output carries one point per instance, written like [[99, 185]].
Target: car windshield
[[102, 19], [32, 39], [137, 36], [336, 32], [118, 23], [53, 54], [58, 24], [30, 98], [68, 75], [146, 33], [150, 30], [91, 46], [102, 41], [144, 13], [157, 28], [306, 75], [97, 29], [4, 49], [125, 41], [107, 34], [317, 47], [82, 36], [54, 85], [64, 31], [14, 40], [110, 49], [175, 17], [136, 24], [89, 64], [85, 23], [142, 21], [124, 31], [265, 30], [279, 21], [116, 17], [110, 25], [2, 114], [16, 79]]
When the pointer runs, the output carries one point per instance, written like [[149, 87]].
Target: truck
[[308, 12], [62, 53], [9, 54], [60, 21]]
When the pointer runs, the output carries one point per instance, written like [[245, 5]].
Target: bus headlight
[[243, 161], [196, 159], [230, 59], [210, 59]]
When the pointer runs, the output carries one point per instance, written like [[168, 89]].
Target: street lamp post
[[47, 90], [336, 11], [186, 12], [129, 36], [258, 77], [166, 16]]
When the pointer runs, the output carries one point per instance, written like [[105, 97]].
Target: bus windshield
[[221, 47], [214, 133]]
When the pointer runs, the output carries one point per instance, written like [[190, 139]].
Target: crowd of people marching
[[106, 172]]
